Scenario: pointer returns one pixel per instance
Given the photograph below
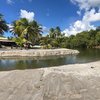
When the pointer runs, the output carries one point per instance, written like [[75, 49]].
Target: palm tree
[[52, 33], [57, 32], [3, 25], [28, 30]]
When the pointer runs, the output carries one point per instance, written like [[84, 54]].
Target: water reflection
[[86, 55]]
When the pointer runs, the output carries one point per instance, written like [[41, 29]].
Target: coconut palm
[[52, 33], [57, 32], [28, 30], [3, 25]]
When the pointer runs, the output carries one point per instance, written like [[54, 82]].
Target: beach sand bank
[[68, 82]]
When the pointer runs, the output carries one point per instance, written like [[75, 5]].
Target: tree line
[[31, 32]]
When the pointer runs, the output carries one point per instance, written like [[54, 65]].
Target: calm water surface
[[85, 55]]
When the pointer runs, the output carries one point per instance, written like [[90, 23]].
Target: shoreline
[[36, 52], [67, 82]]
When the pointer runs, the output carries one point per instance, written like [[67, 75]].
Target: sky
[[72, 16]]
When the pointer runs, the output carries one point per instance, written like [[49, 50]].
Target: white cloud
[[45, 29], [10, 27], [87, 4], [90, 15], [9, 1], [78, 27], [99, 10], [27, 15], [79, 13]]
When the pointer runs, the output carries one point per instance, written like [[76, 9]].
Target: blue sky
[[71, 16]]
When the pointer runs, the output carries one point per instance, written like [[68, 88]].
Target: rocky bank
[[36, 52]]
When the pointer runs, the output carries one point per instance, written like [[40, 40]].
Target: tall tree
[[52, 33], [3, 25], [57, 32], [28, 30]]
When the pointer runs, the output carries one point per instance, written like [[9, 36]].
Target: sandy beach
[[68, 82]]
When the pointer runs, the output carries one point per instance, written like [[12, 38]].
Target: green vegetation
[[3, 25], [86, 39], [55, 39], [26, 32]]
